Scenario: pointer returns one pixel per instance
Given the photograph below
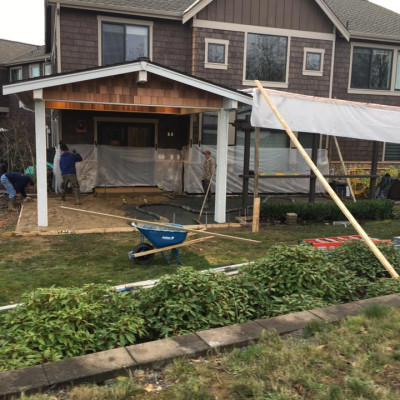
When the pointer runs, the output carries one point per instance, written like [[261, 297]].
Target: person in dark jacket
[[14, 183], [68, 172]]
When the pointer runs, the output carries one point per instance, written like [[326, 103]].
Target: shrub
[[56, 323], [356, 256], [301, 269], [189, 301], [365, 209], [382, 287]]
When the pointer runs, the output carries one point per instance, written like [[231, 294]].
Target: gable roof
[[124, 68], [166, 8], [12, 53], [363, 19]]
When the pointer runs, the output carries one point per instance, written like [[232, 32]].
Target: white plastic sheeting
[[177, 170], [327, 116]]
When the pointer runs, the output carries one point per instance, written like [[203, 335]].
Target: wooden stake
[[177, 228], [344, 168], [328, 187], [256, 215]]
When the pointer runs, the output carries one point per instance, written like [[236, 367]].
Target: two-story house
[[18, 61], [141, 87]]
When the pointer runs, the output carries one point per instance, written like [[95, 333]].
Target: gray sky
[[22, 20]]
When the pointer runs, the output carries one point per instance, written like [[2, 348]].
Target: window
[[122, 42], [371, 68], [266, 58], [313, 61], [216, 53], [47, 69], [15, 74], [209, 128], [397, 84], [34, 70], [392, 152], [126, 134]]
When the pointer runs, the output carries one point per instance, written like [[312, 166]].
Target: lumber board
[[175, 246]]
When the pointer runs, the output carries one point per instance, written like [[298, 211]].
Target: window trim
[[247, 82], [208, 64], [309, 72], [31, 66], [123, 21], [382, 92], [44, 68], [19, 68]]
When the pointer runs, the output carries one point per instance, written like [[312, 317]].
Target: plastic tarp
[[327, 116], [180, 170]]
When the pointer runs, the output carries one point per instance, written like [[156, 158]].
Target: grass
[[356, 359], [73, 260]]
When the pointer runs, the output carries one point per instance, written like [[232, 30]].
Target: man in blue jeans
[[14, 183], [68, 172]]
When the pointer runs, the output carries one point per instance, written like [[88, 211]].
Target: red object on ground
[[328, 243]]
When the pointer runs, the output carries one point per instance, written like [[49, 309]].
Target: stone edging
[[98, 367]]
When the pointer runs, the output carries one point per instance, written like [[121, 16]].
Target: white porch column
[[222, 160], [41, 167]]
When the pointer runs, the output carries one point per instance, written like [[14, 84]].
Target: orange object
[[329, 243]]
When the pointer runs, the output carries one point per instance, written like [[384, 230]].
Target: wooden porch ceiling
[[122, 93]]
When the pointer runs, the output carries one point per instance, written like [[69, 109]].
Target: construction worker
[[207, 175], [14, 183], [68, 172]]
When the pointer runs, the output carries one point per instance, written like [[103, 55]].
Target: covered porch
[[142, 89]]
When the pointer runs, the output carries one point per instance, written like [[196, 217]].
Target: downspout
[[193, 67], [58, 33]]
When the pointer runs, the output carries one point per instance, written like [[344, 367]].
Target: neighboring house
[[116, 109], [19, 61]]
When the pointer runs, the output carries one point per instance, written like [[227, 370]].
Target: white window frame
[[124, 21], [382, 92], [247, 82], [310, 72], [31, 67], [208, 64], [19, 75], [44, 69]]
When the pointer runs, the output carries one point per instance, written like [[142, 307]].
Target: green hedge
[[57, 323], [364, 209]]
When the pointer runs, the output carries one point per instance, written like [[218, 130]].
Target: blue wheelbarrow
[[161, 239]]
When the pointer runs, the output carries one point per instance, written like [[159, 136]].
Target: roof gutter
[[334, 19], [122, 10], [371, 36]]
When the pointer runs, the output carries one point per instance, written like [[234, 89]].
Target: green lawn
[[28, 263]]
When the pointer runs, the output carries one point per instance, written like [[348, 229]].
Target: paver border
[[98, 367]]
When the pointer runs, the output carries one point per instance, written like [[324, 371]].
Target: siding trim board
[[226, 26]]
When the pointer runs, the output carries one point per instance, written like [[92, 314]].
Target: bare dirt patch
[[60, 219]]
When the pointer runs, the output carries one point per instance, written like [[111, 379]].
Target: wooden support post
[[246, 164], [314, 157], [344, 168], [256, 200], [328, 187], [374, 169]]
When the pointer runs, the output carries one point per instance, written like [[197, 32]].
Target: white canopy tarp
[[328, 116]]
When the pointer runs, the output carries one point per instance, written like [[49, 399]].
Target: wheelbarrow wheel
[[140, 248]]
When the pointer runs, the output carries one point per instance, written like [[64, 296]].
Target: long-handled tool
[[205, 199], [140, 221]]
